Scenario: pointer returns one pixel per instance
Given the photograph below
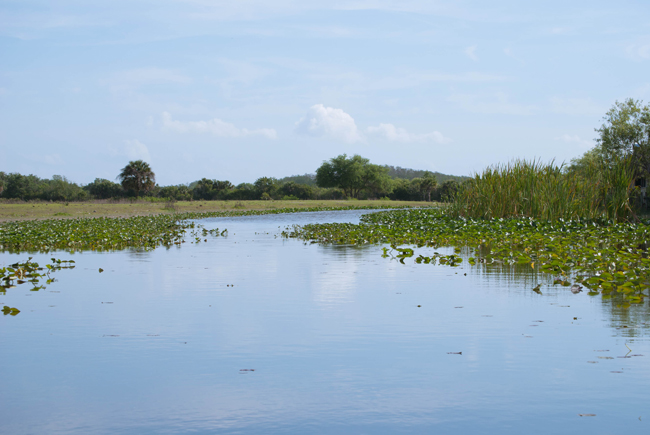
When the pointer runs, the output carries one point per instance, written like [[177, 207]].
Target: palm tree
[[429, 183], [138, 176]]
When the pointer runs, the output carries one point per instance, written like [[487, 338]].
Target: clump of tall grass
[[547, 191]]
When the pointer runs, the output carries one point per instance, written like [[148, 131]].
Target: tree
[[626, 132], [210, 189], [268, 185], [300, 191], [137, 176], [428, 183], [104, 189], [352, 175], [448, 190]]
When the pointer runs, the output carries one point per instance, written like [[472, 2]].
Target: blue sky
[[236, 90]]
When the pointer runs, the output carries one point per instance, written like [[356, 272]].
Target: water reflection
[[341, 340]]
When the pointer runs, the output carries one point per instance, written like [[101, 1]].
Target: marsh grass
[[547, 191]]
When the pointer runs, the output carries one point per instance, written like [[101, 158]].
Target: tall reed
[[547, 191]]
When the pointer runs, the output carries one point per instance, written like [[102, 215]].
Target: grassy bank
[[13, 211]]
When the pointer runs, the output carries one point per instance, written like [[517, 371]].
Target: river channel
[[251, 333]]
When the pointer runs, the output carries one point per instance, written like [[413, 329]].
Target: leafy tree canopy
[[352, 175], [137, 176], [626, 132]]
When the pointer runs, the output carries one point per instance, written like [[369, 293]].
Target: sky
[[237, 90]]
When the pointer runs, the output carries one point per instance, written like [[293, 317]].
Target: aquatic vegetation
[[606, 257], [31, 272], [11, 311], [547, 191], [101, 234]]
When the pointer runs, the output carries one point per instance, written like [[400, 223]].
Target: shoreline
[[41, 210]]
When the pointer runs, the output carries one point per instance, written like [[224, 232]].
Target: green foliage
[[547, 191], [105, 234], [30, 272], [104, 189], [268, 185], [626, 132], [138, 177], [30, 187], [449, 190], [211, 189], [307, 179], [299, 191], [409, 174], [352, 175], [180, 192], [607, 257]]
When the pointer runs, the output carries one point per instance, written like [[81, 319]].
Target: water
[[157, 344]]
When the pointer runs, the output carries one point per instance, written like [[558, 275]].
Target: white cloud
[[471, 53], [136, 150], [322, 121], [214, 126], [575, 139], [392, 133], [638, 51]]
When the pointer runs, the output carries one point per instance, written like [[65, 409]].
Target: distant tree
[[23, 187], [104, 189], [268, 185], [299, 191], [626, 132], [352, 175], [180, 192], [307, 179], [242, 191], [400, 189], [137, 176], [448, 190], [210, 189], [428, 184]]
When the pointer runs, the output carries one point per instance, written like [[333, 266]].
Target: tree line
[[339, 178]]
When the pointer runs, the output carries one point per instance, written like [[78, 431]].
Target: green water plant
[[534, 189], [607, 257], [31, 272], [102, 234]]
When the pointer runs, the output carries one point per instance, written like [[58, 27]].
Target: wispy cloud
[[215, 126], [148, 76], [396, 134], [576, 106], [321, 121], [136, 150], [638, 51], [471, 53], [575, 139], [497, 103]]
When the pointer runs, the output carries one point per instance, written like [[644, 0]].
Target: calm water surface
[[156, 344]]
